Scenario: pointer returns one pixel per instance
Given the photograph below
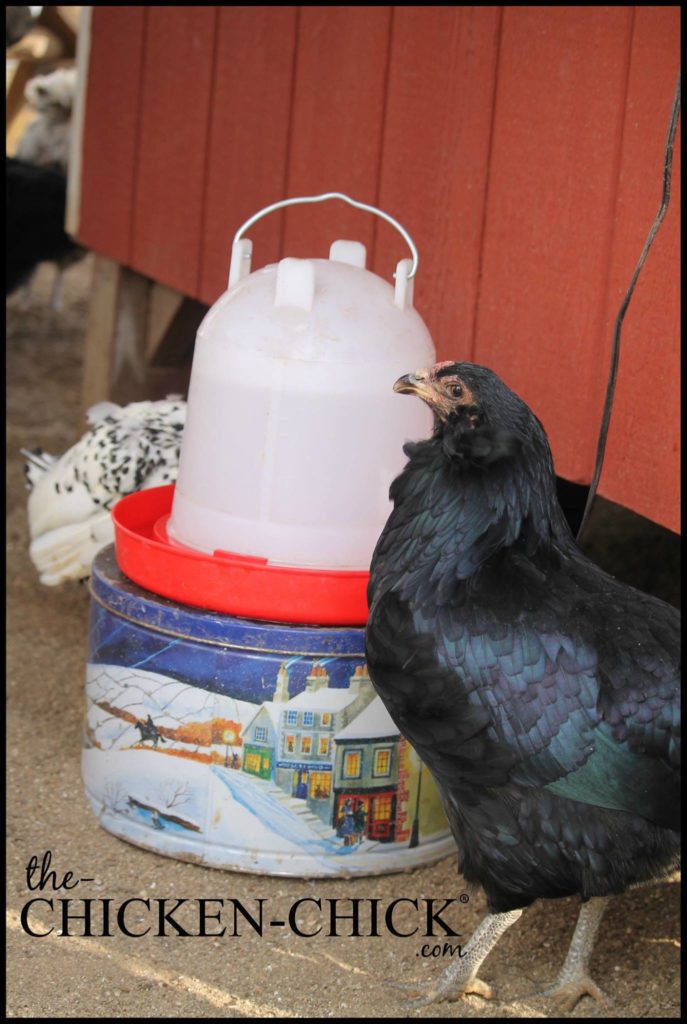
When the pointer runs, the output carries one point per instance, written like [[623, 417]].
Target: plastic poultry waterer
[[293, 436]]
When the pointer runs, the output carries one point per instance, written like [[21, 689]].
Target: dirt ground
[[276, 975]]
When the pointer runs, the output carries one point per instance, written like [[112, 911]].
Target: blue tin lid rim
[[119, 595]]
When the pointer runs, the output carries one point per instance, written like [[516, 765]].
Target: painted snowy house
[[379, 779], [260, 739], [260, 734], [366, 771], [308, 723]]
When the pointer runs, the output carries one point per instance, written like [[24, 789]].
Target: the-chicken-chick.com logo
[[52, 909]]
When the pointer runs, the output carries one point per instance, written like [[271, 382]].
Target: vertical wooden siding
[[643, 453], [552, 180], [336, 129], [248, 145], [176, 94], [435, 160], [521, 147], [110, 131]]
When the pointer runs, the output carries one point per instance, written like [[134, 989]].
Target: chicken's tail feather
[[37, 464]]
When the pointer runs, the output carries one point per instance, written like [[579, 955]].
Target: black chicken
[[541, 693], [35, 204]]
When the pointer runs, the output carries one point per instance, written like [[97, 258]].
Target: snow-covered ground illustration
[[266, 804], [256, 786]]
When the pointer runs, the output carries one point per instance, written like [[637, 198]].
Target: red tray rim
[[317, 596]]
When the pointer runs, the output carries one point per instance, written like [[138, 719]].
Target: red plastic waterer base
[[222, 582]]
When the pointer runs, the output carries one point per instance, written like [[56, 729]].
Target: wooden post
[[114, 356], [139, 338]]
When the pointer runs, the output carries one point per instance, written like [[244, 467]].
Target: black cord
[[615, 349]]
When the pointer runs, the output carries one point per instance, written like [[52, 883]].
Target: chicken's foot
[[574, 981], [460, 978]]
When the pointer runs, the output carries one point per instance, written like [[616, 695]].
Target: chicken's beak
[[426, 385], [412, 384], [423, 384]]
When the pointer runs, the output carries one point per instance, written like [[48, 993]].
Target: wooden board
[[520, 146], [336, 124], [114, 363], [83, 57], [434, 169], [110, 131], [642, 467], [171, 152], [246, 159], [552, 183]]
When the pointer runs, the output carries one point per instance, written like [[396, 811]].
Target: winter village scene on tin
[[299, 777]]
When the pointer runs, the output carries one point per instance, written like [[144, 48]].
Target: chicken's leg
[[460, 978], [573, 982]]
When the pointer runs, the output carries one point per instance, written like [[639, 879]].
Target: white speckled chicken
[[127, 449]]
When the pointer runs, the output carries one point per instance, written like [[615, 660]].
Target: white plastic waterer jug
[[293, 432]]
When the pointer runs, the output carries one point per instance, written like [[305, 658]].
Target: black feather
[[541, 693], [35, 205]]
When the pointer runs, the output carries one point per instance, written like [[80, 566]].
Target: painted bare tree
[[114, 799], [174, 793]]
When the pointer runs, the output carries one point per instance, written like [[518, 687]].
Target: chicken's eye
[[455, 390]]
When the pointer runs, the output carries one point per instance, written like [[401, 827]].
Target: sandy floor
[[637, 955]]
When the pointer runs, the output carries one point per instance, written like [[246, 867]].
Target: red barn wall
[[521, 147]]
